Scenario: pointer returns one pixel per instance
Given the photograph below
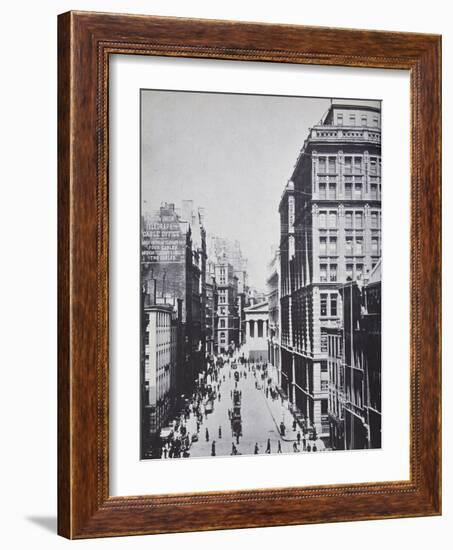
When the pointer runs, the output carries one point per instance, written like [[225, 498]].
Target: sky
[[231, 154]]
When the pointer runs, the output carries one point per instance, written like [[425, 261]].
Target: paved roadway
[[260, 417]]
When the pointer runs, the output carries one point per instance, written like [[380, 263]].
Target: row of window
[[352, 219], [162, 319], [352, 120], [352, 190], [162, 338], [352, 165], [353, 245], [223, 296], [328, 272], [222, 274]]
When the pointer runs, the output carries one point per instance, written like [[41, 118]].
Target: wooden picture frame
[[85, 42]]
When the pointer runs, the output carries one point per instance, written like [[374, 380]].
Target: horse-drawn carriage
[[236, 419], [236, 426], [209, 406], [237, 398]]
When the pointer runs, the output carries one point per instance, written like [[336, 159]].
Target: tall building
[[159, 366], [227, 311], [221, 250], [362, 362], [174, 257], [330, 218]]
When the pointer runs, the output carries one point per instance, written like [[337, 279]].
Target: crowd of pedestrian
[[193, 413]]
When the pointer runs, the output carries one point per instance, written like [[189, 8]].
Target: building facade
[[226, 250], [159, 366], [330, 217], [212, 304], [257, 322], [335, 362], [273, 300], [241, 276], [174, 257], [362, 362], [227, 311]]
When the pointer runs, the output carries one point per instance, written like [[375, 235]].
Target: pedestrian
[[308, 447], [213, 449], [314, 448], [282, 428], [298, 438], [256, 449], [220, 432], [165, 451], [304, 443], [268, 448], [314, 434], [279, 449], [207, 434], [219, 396], [294, 425]]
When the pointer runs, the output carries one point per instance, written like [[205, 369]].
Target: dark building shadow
[[49, 523]]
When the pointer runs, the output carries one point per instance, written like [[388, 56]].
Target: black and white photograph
[[260, 265]]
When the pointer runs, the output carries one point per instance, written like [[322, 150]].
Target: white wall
[[28, 229]]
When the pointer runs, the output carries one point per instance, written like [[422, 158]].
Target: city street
[[262, 413]]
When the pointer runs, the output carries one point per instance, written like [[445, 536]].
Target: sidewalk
[[282, 402]]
